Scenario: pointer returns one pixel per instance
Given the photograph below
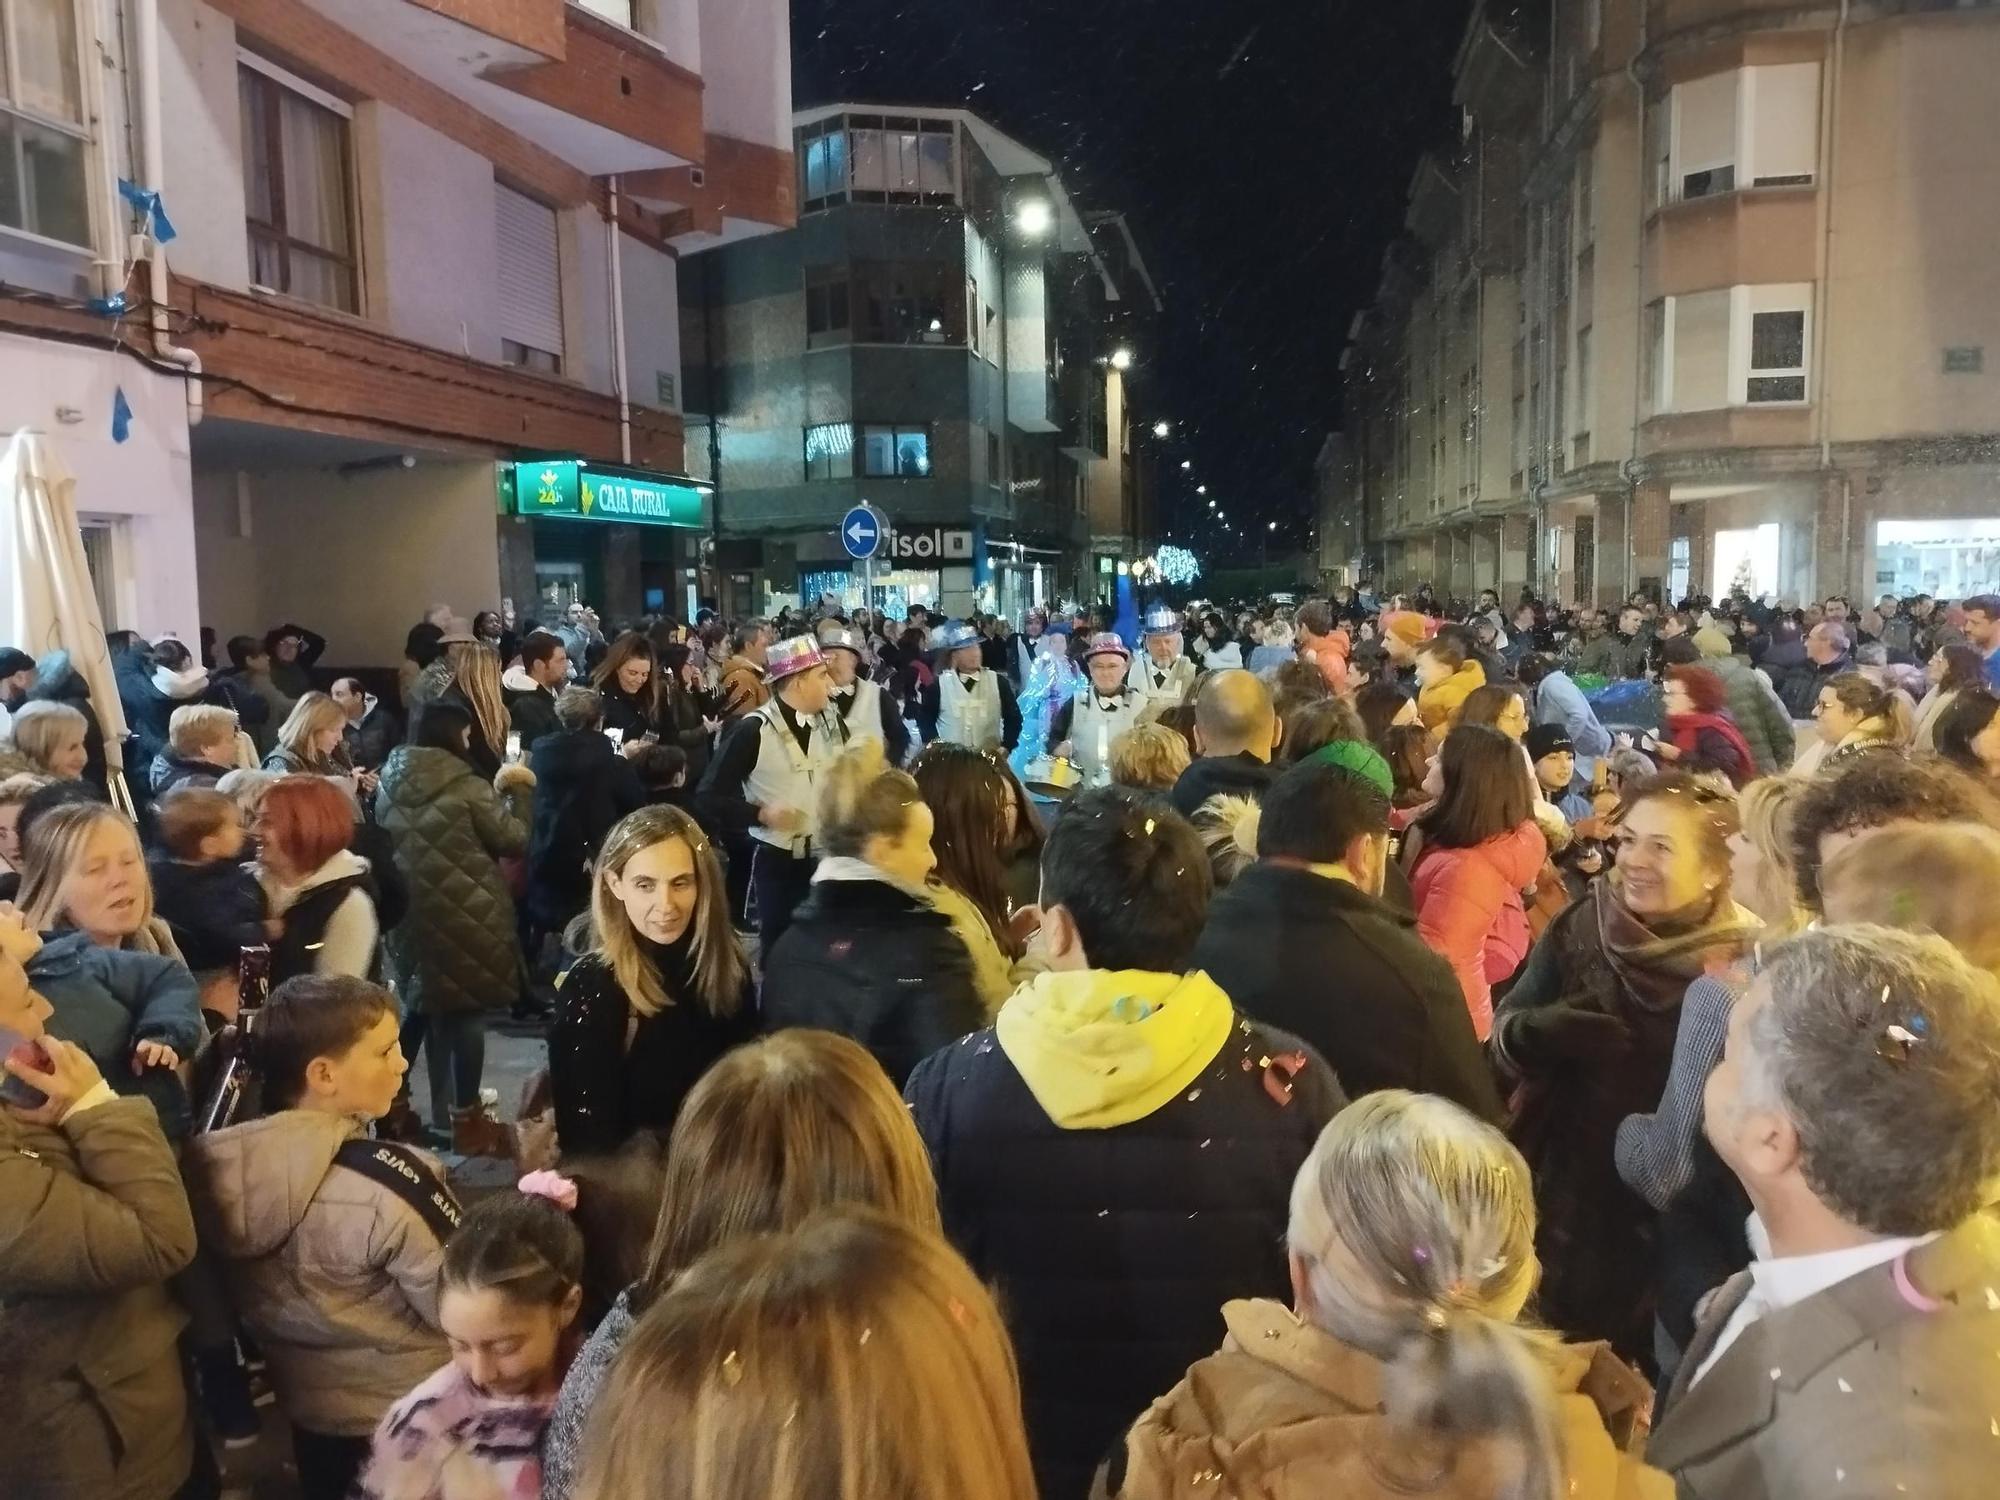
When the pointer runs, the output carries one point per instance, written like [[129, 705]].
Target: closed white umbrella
[[50, 603]]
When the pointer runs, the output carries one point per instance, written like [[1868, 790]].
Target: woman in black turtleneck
[[661, 992]]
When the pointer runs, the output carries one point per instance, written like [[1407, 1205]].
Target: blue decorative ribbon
[[121, 416], [148, 203]]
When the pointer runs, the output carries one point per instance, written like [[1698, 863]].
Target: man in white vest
[[1086, 727], [1163, 676], [764, 780], [858, 701], [969, 703]]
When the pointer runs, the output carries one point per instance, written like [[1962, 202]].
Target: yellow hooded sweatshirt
[[1105, 1047]]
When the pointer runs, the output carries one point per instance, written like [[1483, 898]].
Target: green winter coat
[[1760, 714], [456, 949]]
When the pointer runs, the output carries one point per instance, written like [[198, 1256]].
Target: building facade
[[1701, 298], [944, 337], [412, 334]]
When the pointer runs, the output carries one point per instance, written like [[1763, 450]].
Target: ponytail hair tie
[[555, 1187]]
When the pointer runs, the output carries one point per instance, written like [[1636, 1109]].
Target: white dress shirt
[[1787, 1280]]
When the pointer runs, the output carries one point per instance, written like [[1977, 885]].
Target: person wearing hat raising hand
[[764, 780], [858, 700], [969, 703], [1163, 676], [1088, 725]]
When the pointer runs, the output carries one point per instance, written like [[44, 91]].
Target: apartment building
[[412, 333], [1700, 297], [945, 337]]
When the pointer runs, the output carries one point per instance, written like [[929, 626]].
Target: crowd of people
[[1378, 1046]]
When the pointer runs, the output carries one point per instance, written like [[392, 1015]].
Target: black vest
[[305, 926]]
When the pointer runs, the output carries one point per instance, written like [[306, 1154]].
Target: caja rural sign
[[569, 490]]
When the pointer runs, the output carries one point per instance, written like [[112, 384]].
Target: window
[[878, 159], [1756, 126], [896, 452], [530, 281], [1583, 391], [618, 12], [826, 306], [993, 459], [295, 181], [1680, 567], [43, 140], [830, 451], [908, 304], [974, 330], [1777, 357], [1586, 196]]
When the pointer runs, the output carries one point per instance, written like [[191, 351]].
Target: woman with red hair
[[1701, 736], [321, 893]]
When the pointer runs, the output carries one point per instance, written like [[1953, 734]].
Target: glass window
[[896, 452], [1777, 356], [908, 304], [295, 160], [871, 163], [938, 163], [830, 451], [825, 167], [43, 142], [826, 307]]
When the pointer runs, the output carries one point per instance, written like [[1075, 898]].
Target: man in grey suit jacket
[[1856, 1104]]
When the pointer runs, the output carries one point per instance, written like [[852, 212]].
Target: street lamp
[[1163, 429], [1121, 360], [1034, 217], [1273, 526], [1186, 464], [1201, 489]]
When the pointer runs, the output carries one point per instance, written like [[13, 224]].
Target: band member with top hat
[[858, 700], [1088, 725], [1163, 676], [969, 703], [764, 779]]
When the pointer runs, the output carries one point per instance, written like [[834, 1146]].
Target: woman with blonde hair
[[52, 737], [968, 793], [475, 682], [867, 955], [1149, 758], [1402, 1367], [1856, 717], [1657, 1152], [854, 1359], [662, 988], [312, 741], [776, 1131]]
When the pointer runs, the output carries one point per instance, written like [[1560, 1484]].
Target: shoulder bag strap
[[408, 1176]]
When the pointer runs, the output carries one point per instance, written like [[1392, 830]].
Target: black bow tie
[[1159, 678], [971, 683]]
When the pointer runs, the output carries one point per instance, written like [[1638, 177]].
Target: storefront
[[622, 540], [1947, 559], [915, 565]]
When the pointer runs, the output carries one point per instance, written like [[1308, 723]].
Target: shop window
[[896, 452], [44, 142], [1754, 127], [830, 451], [1680, 568], [530, 281], [296, 186], [1949, 559], [827, 300]]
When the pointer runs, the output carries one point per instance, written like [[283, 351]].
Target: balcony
[[739, 189], [288, 365], [600, 97]]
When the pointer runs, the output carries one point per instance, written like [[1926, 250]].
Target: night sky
[[1261, 150]]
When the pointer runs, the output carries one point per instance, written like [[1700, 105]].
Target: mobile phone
[[616, 736], [649, 738], [12, 1089], [514, 744]]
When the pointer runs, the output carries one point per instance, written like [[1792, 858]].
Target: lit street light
[[1201, 489], [1274, 526], [1187, 464], [1034, 218], [1121, 359], [1163, 429]]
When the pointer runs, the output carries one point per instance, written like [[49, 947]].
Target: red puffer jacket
[[1469, 909]]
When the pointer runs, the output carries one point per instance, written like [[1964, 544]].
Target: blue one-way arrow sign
[[861, 532]]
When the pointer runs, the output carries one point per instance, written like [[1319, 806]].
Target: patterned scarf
[[1656, 959]]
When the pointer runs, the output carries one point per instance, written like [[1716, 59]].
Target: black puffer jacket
[[1115, 1245], [874, 963], [582, 788]]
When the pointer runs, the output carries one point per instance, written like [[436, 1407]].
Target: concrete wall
[[746, 65], [141, 485], [383, 547], [652, 322], [428, 237], [203, 191]]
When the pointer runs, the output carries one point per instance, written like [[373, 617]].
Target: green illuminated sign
[[576, 491]]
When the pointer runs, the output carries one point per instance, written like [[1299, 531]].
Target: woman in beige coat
[[1403, 1371], [94, 1220]]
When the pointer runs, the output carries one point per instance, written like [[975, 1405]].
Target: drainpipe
[[152, 140], [1631, 467], [1829, 128], [618, 377]]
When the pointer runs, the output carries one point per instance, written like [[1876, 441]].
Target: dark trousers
[[328, 1465], [781, 883]]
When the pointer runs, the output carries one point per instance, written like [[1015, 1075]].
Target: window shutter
[[1705, 113], [530, 271], [1784, 134]]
